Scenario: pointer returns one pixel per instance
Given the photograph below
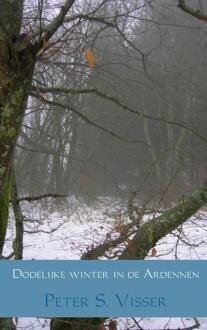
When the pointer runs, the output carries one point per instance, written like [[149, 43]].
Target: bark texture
[[77, 324], [16, 69], [7, 324], [19, 221]]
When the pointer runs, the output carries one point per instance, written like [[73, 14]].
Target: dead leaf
[[154, 252], [90, 58], [129, 242], [112, 325]]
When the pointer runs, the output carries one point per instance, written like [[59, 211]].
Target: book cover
[[103, 164]]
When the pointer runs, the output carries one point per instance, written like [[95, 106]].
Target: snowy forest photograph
[[103, 138]]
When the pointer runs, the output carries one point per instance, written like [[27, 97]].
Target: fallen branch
[[193, 12], [152, 231], [37, 198]]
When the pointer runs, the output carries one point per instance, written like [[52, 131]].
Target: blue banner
[[103, 288]]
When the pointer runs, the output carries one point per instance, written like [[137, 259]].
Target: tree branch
[[98, 93], [151, 232], [55, 24], [37, 198], [87, 119], [193, 12], [101, 249]]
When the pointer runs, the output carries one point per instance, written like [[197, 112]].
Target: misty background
[[158, 69]]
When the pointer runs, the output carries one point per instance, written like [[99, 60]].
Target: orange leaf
[[90, 58]]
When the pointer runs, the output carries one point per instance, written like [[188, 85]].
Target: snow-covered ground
[[65, 232]]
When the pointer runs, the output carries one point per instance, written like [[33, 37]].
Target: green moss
[[2, 130], [7, 324], [2, 171], [7, 135], [200, 195], [11, 132], [18, 119], [8, 112], [150, 236], [4, 155]]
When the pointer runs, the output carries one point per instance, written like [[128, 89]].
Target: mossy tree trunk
[[16, 71], [151, 232], [7, 324], [19, 221], [11, 115], [15, 81]]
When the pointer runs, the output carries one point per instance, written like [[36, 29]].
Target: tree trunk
[[15, 80], [4, 210], [16, 75], [77, 324], [7, 324], [11, 114], [19, 221]]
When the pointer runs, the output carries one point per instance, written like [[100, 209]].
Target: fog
[[135, 122]]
